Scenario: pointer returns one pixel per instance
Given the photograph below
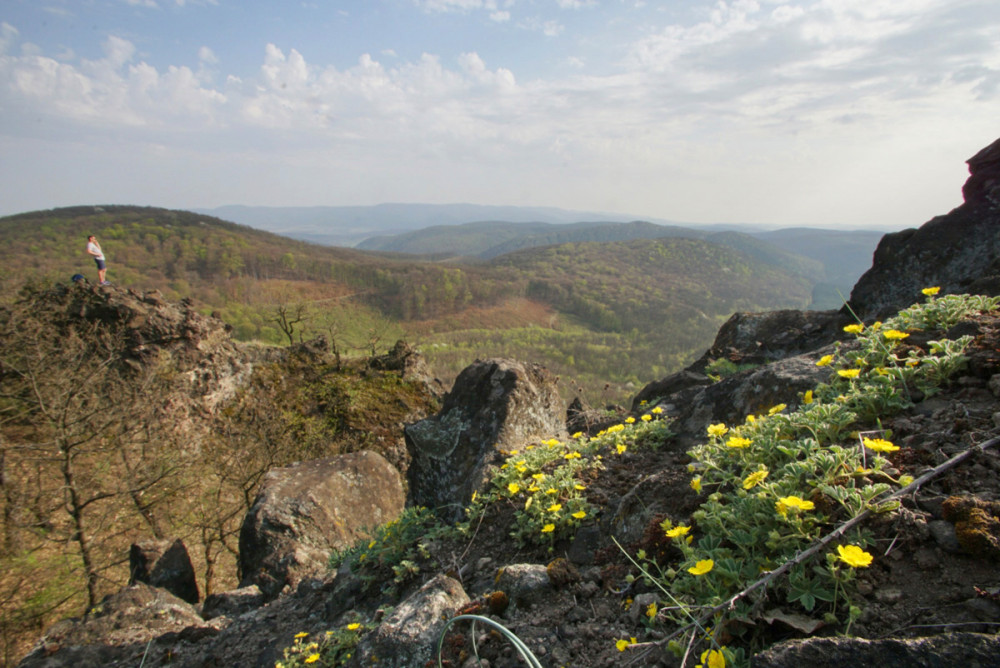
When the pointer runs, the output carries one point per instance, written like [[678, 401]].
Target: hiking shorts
[[100, 264]]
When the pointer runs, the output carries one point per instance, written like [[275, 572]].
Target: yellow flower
[[629, 420], [787, 502], [646, 418], [577, 434], [930, 292], [615, 428], [621, 448], [848, 373], [552, 490], [751, 419], [538, 476], [301, 635], [353, 626], [825, 360], [856, 328], [854, 556], [712, 658], [521, 469], [776, 409], [580, 514], [738, 442], [533, 488], [548, 528], [643, 402], [807, 398], [894, 335], [678, 531], [656, 411], [696, 484], [754, 479], [702, 567], [527, 504], [651, 611], [555, 508], [312, 658], [717, 429], [552, 442], [621, 644], [572, 455], [473, 496], [879, 445], [580, 487], [513, 488]]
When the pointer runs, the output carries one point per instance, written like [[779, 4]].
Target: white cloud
[[207, 56], [456, 5], [8, 36], [143, 3], [500, 17]]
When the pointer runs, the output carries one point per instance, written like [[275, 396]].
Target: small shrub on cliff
[[332, 648], [391, 556], [546, 483], [776, 483]]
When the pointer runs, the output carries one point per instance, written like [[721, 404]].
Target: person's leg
[[102, 269]]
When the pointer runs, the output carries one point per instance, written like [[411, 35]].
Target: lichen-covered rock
[[494, 405], [408, 637], [165, 564], [958, 252], [306, 510], [947, 649]]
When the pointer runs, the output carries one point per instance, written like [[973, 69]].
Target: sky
[[833, 113]]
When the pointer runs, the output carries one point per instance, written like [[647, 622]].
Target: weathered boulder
[[304, 511], [753, 339], [494, 405], [947, 649], [118, 631], [748, 393], [959, 252], [408, 637], [165, 564]]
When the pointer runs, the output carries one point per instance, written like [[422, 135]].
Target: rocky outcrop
[[494, 405], [304, 511], [410, 365], [138, 621], [959, 252], [164, 564]]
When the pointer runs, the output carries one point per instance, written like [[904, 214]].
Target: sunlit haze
[[847, 113]]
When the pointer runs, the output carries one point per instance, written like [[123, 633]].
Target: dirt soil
[[923, 580]]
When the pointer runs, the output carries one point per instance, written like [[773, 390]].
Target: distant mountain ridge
[[349, 225]]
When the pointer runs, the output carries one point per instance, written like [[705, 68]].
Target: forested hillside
[[602, 315]]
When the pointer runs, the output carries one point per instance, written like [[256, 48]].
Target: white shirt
[[95, 250]]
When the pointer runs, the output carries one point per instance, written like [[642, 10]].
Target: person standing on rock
[[94, 249]]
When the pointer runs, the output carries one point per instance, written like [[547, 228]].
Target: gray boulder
[[306, 510], [494, 405], [408, 637]]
